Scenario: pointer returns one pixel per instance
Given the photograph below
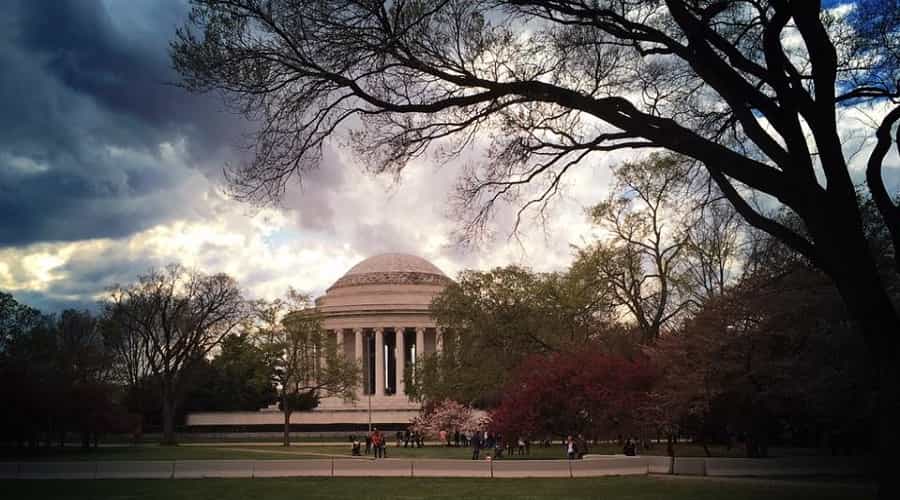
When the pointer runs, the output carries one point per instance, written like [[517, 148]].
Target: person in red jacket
[[378, 443]]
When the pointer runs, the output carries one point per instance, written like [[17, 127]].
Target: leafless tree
[[715, 250], [131, 364], [751, 89], [647, 219], [177, 317]]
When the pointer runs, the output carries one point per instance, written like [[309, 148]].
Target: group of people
[[374, 441], [575, 447], [494, 441], [410, 439]]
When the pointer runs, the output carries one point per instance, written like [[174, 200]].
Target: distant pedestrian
[[368, 443], [629, 449], [582, 445], [571, 448], [378, 443], [476, 446]]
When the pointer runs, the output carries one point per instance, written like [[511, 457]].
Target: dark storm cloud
[[80, 81], [123, 64], [51, 304]]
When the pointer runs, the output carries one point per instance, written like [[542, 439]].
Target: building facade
[[378, 314]]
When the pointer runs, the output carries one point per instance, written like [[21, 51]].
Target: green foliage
[[495, 319], [15, 319], [774, 354], [237, 379], [300, 356], [303, 361], [644, 257], [56, 376], [300, 401]]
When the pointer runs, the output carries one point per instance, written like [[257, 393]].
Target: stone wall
[[316, 417]]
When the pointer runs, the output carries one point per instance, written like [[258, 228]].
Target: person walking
[[378, 443], [582, 445], [629, 449], [476, 446], [571, 448]]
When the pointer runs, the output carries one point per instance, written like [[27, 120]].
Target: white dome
[[394, 263], [392, 268]]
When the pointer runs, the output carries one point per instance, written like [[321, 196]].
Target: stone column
[[439, 339], [379, 361], [401, 360], [420, 343], [322, 354], [358, 352], [339, 341]]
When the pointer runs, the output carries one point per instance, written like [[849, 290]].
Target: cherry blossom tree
[[450, 416]]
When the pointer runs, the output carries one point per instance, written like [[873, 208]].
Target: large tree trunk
[[889, 417], [864, 293], [168, 418]]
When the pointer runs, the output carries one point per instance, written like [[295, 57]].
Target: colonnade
[[399, 351]]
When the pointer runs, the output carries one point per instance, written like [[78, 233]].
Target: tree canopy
[[495, 319], [176, 317], [752, 90], [585, 392], [303, 361], [57, 372], [236, 379]]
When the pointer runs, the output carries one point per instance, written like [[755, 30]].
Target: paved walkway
[[331, 466]]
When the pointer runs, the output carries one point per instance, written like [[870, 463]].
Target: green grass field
[[234, 451], [370, 488]]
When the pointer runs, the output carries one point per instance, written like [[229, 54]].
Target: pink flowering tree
[[448, 415]]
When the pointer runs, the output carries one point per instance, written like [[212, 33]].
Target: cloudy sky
[[106, 170]]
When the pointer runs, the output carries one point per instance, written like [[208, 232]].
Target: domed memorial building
[[378, 313]]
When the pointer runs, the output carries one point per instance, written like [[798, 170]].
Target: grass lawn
[[555, 452], [536, 453], [362, 488], [146, 452], [236, 451]]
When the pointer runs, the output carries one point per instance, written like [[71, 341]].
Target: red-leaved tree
[[587, 392]]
